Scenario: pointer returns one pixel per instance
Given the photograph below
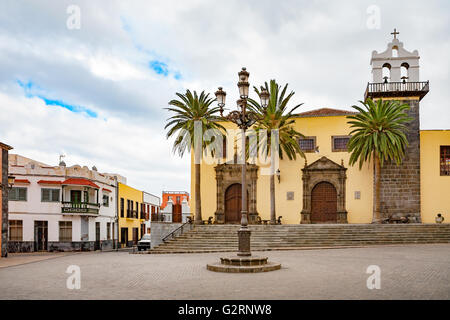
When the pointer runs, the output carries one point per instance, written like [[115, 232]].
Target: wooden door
[[97, 236], [176, 214], [40, 235], [324, 203], [233, 203]]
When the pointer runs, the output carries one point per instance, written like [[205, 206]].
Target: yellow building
[[131, 215], [324, 188], [435, 174]]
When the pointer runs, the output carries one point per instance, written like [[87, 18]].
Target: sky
[[92, 81]]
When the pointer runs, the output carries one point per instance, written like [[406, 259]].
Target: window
[[15, 230], [105, 200], [136, 215], [445, 160], [307, 144], [122, 207], [129, 208], [65, 231], [339, 143], [18, 194], [49, 195], [86, 197], [108, 230]]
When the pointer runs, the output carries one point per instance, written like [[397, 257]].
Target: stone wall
[[28, 246], [400, 185], [162, 229]]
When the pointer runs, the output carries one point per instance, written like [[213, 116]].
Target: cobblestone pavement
[[407, 272]]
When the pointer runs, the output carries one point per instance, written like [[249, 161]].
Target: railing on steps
[[179, 229]]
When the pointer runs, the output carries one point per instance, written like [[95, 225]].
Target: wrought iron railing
[[179, 230], [419, 87], [79, 207]]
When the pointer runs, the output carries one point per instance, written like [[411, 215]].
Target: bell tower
[[395, 76]]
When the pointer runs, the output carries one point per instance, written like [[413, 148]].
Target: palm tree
[[379, 132], [277, 117], [191, 113]]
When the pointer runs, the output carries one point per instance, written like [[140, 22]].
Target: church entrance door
[[233, 203], [324, 203]]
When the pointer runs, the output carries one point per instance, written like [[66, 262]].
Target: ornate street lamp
[[244, 120]]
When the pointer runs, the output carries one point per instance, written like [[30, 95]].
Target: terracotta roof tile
[[325, 112], [21, 181]]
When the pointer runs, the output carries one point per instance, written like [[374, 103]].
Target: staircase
[[223, 238]]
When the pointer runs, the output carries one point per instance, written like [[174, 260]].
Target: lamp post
[[244, 120]]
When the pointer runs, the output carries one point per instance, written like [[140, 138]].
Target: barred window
[[18, 194], [15, 230], [445, 160], [65, 231], [307, 144], [122, 207], [339, 143], [49, 195]]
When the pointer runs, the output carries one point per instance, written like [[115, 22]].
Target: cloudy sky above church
[[98, 93]]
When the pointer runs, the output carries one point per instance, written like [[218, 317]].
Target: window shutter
[[22, 194], [55, 195]]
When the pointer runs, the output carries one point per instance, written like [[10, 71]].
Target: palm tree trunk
[[376, 212], [273, 218], [198, 201]]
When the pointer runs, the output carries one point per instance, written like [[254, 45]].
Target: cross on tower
[[395, 33]]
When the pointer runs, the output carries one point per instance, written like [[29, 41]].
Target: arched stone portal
[[326, 175], [228, 175]]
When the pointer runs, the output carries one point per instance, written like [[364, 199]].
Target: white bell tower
[[399, 64]]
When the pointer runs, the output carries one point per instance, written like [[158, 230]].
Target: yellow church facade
[[322, 128], [323, 187]]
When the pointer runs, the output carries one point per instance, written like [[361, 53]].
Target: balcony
[[397, 89], [83, 208]]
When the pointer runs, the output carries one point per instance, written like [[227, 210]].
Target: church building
[[324, 188]]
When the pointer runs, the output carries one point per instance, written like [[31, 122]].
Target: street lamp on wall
[[11, 180]]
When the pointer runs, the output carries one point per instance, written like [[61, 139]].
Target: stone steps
[[223, 238]]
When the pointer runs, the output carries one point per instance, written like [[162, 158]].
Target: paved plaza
[[407, 272]]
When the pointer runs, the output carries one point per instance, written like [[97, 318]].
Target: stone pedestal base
[[237, 264]]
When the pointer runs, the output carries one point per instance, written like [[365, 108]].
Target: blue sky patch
[[32, 90], [159, 67]]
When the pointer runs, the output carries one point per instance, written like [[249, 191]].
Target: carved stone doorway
[[228, 197], [324, 184]]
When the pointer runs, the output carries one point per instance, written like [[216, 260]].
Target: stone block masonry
[[400, 185]]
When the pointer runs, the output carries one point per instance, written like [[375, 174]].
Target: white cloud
[[321, 48]]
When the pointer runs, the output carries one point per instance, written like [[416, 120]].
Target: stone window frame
[[333, 138], [314, 138]]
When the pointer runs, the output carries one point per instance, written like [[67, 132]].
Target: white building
[[152, 204], [61, 208]]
